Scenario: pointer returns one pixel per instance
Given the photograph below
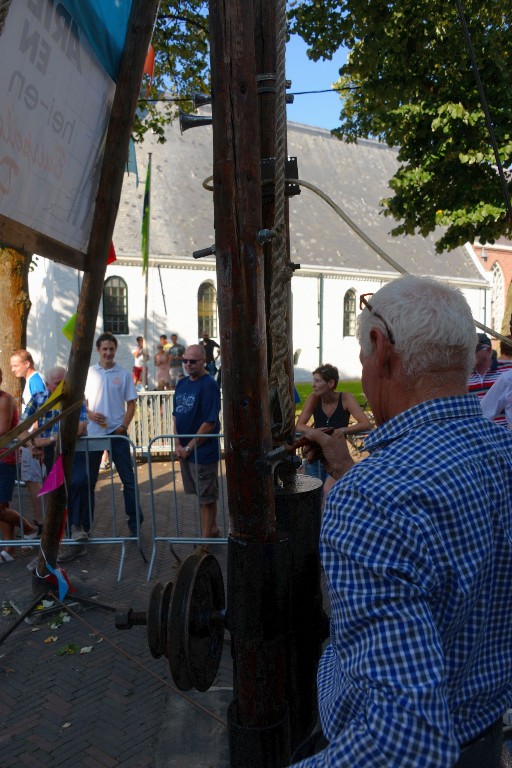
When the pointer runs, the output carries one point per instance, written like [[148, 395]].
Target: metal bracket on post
[[268, 172], [210, 251]]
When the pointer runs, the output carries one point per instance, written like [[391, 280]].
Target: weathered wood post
[[258, 594], [297, 498]]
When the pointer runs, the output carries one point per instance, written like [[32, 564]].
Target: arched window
[[115, 306], [349, 314], [207, 309], [497, 296]]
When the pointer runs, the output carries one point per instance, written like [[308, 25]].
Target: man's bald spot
[[195, 352]]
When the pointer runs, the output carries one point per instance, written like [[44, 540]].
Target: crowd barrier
[[171, 516], [113, 530], [153, 416], [175, 516]]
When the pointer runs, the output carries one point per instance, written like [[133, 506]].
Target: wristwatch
[[188, 448]]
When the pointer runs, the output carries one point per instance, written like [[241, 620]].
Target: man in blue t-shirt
[[32, 471], [196, 412]]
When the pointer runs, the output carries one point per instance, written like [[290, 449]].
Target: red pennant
[[149, 66], [111, 254]]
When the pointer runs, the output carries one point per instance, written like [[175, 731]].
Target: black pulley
[[157, 618], [195, 623]]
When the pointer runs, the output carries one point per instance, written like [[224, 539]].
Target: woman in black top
[[329, 408]]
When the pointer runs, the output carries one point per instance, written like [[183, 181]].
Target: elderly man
[[418, 558], [196, 412]]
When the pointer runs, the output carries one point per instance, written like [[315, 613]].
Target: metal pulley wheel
[[195, 623], [157, 618]]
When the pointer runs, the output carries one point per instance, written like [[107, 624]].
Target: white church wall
[[54, 291]]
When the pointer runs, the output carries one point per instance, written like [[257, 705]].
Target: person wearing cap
[[417, 556], [485, 372]]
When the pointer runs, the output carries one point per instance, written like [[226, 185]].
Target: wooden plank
[[27, 240]]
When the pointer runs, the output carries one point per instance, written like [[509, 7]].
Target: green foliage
[[182, 65], [408, 81]]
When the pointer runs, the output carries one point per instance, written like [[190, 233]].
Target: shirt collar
[[99, 367], [439, 409]]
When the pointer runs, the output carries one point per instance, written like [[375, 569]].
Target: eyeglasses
[[190, 361], [363, 302]]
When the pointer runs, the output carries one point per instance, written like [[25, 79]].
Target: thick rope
[[281, 405]]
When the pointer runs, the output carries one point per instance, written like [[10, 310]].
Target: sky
[[321, 110]]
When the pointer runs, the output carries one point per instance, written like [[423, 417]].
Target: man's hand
[[182, 452], [333, 452], [98, 418], [37, 452]]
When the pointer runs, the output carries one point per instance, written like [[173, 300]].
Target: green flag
[[145, 219]]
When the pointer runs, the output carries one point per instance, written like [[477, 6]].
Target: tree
[[14, 309], [182, 65], [408, 81]]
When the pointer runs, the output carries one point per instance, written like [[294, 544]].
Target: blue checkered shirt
[[36, 402], [417, 549]]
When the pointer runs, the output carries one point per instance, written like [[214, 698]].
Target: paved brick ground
[[102, 708]]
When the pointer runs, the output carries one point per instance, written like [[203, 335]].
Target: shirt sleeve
[[494, 400], [36, 384], [210, 401], [382, 688]]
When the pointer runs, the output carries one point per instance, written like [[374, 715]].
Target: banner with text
[[54, 112]]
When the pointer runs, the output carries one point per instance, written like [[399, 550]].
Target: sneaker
[[33, 563], [78, 533], [104, 466]]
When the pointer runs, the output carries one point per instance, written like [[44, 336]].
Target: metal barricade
[[153, 421], [153, 416], [101, 530], [175, 515]]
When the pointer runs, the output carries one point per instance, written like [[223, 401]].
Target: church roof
[[355, 176]]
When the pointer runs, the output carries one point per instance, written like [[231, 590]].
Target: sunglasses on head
[[363, 302]]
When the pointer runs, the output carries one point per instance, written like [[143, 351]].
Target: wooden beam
[[29, 241]]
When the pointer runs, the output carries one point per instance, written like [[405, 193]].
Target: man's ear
[[383, 352]]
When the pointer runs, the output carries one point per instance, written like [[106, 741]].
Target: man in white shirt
[[499, 398], [111, 395]]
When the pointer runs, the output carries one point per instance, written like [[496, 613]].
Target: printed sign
[[54, 112]]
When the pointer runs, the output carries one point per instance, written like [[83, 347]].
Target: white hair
[[431, 324]]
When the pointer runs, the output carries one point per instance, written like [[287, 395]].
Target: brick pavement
[[110, 707]]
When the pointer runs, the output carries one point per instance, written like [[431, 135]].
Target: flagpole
[[145, 266]]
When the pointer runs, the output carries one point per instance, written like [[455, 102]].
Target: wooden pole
[[146, 283], [240, 269], [257, 567], [266, 63], [107, 201]]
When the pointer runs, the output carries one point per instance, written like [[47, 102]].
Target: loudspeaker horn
[[201, 99], [193, 121]]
